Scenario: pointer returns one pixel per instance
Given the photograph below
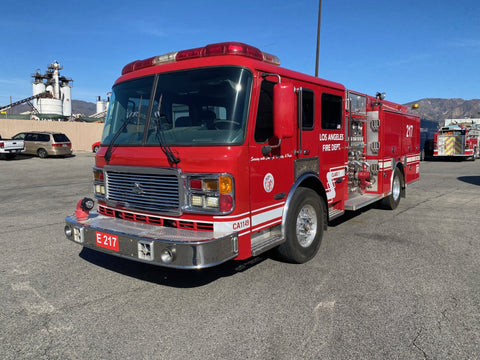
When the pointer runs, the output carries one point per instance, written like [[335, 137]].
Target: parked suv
[[45, 143]]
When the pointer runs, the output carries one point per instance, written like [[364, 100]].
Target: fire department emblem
[[268, 182]]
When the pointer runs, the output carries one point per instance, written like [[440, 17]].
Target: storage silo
[[38, 87], [66, 96], [101, 105], [50, 106]]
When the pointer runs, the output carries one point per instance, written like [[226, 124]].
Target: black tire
[[95, 149], [391, 201], [42, 153], [304, 227], [11, 156]]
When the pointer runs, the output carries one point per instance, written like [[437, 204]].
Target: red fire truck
[[218, 153], [459, 141]]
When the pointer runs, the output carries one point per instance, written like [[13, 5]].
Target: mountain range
[[432, 109], [440, 109]]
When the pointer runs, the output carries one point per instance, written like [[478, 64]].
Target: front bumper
[[159, 245]]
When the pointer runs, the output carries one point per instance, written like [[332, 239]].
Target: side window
[[31, 137], [307, 112], [264, 123], [44, 137], [331, 112], [20, 136]]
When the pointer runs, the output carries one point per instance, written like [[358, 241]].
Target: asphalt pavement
[[402, 284]]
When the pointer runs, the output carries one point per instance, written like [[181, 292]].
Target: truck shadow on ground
[[474, 180], [349, 215], [17, 158], [167, 276]]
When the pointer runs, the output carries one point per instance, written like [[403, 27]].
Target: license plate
[[64, 145], [107, 241]]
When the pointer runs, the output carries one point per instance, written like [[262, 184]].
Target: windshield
[[205, 106]]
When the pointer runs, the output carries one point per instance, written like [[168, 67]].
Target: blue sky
[[409, 49]]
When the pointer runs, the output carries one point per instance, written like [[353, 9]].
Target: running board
[[270, 243], [361, 201], [266, 240], [334, 213]]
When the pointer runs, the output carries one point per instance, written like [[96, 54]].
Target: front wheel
[[304, 227], [391, 201]]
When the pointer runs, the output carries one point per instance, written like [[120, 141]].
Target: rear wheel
[[95, 149], [42, 153], [391, 201], [304, 227]]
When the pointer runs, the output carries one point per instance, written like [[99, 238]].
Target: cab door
[[332, 148], [271, 162]]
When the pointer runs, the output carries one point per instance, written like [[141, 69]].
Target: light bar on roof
[[218, 49]]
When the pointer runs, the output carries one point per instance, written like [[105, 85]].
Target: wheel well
[[314, 183], [402, 170], [310, 181]]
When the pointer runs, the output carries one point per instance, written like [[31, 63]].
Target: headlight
[[98, 183], [209, 193]]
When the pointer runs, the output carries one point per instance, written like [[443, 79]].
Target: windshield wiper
[[108, 153], [172, 158]]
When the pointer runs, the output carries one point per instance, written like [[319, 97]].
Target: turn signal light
[[225, 184]]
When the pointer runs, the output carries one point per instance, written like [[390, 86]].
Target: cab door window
[[264, 123], [307, 110], [332, 116]]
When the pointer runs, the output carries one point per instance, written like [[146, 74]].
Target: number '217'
[[409, 131]]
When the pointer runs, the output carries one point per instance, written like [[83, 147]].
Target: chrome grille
[[147, 189]]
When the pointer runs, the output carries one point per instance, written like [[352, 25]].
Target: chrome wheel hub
[[306, 227], [396, 188]]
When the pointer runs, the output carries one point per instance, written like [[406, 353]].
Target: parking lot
[[402, 284]]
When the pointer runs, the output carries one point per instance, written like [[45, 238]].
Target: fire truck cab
[[218, 153]]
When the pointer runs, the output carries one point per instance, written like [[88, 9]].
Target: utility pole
[[318, 35]]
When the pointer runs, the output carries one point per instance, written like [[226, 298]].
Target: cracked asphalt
[[402, 284]]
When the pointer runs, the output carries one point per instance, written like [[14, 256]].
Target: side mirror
[[284, 116]]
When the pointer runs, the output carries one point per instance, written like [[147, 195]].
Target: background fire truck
[[458, 138], [218, 153]]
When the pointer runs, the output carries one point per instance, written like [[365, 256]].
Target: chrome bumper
[[159, 245]]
